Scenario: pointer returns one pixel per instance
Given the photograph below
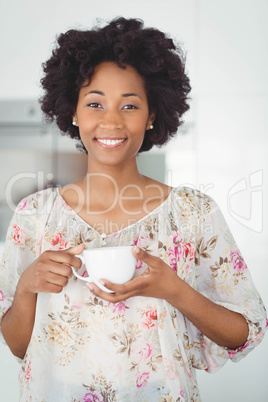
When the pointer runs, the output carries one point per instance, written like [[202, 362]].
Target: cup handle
[[87, 278]]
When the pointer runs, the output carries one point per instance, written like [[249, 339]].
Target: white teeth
[[110, 142]]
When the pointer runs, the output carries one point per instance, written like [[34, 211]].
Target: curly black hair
[[152, 53]]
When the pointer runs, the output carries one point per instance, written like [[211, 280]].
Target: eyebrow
[[103, 94]]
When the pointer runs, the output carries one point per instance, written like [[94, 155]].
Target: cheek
[[138, 126], [86, 129]]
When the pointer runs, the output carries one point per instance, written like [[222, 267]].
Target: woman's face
[[112, 114]]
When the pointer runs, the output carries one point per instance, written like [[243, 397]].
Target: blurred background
[[221, 149]]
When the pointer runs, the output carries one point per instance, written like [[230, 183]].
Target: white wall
[[227, 51]]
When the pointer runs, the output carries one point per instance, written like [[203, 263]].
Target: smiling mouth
[[109, 143]]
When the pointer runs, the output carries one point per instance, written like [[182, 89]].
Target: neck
[[111, 181]]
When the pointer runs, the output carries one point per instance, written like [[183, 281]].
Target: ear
[[75, 122], [151, 119]]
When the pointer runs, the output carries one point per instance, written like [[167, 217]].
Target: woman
[[119, 90]]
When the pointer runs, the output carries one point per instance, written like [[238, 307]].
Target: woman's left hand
[[159, 280], [219, 324]]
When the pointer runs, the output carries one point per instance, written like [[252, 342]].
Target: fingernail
[[102, 282], [137, 249], [90, 287]]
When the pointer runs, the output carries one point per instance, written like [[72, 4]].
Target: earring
[[151, 127], [74, 123]]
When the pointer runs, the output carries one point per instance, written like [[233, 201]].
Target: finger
[[142, 255], [110, 297], [43, 267], [133, 287], [78, 249], [49, 282], [64, 256], [55, 279], [96, 291], [120, 289], [58, 255], [52, 288], [71, 252], [61, 269], [69, 273]]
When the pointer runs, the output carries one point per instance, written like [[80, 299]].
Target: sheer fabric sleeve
[[223, 277], [20, 250]]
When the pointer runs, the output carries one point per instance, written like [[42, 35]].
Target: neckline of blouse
[[105, 235]]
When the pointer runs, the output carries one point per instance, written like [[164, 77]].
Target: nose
[[111, 120]]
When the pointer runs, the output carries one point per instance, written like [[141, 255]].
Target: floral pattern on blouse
[[142, 349]]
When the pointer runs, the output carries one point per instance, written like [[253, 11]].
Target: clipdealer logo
[[252, 188], [244, 198]]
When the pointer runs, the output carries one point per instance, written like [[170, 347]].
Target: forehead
[[111, 75]]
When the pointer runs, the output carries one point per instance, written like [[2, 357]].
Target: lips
[[110, 142]]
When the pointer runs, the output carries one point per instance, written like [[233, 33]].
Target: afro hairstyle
[[151, 52]]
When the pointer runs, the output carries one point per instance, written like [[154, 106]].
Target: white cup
[[116, 264]]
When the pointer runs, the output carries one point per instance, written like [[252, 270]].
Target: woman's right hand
[[51, 271]]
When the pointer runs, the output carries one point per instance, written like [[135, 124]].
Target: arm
[[221, 325], [48, 273], [17, 324]]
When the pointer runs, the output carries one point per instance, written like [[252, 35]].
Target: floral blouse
[[143, 349]]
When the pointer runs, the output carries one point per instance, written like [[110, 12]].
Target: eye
[[94, 105], [130, 107]]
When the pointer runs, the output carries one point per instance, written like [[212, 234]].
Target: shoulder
[[192, 201], [38, 202]]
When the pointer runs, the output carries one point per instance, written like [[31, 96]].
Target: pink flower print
[[118, 308], [172, 258], [93, 397], [21, 205], [179, 250], [150, 319], [152, 314], [136, 238], [176, 237], [187, 269], [141, 351], [27, 375], [57, 240], [2, 297], [142, 379], [19, 235], [189, 251], [238, 261], [76, 304], [231, 353], [138, 264], [179, 247], [143, 239], [148, 323]]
